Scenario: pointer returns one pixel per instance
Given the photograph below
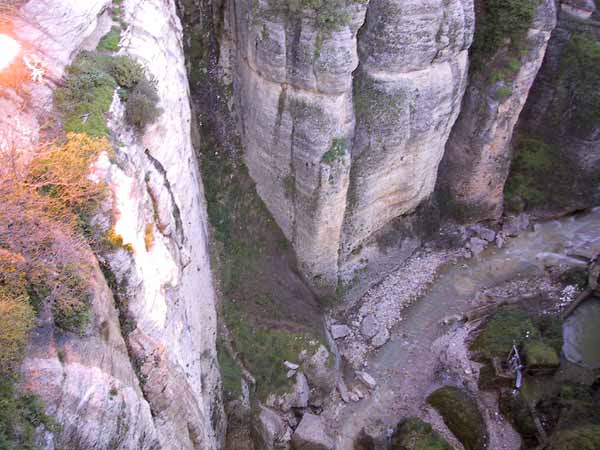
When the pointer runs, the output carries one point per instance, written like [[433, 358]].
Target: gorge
[[307, 224]]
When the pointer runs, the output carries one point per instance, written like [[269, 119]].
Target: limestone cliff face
[[478, 153], [149, 378], [338, 152]]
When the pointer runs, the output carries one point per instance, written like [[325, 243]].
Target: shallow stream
[[404, 367]]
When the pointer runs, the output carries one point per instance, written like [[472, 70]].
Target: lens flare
[[9, 49]]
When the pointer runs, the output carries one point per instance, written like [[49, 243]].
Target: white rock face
[[89, 383], [158, 191]]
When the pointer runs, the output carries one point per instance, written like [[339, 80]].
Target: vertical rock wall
[[149, 380], [559, 121], [477, 158], [337, 153]]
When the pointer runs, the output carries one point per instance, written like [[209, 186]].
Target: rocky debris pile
[[292, 418], [368, 324]]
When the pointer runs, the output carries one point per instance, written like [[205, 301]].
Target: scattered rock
[[340, 331], [311, 435], [380, 338], [366, 379], [291, 373], [514, 225], [321, 374], [452, 318], [369, 326], [354, 397], [359, 393], [483, 232], [291, 366], [268, 428], [301, 392], [500, 240], [476, 245], [343, 390]]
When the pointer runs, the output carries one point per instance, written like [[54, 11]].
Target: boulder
[[540, 358], [381, 338], [340, 331], [321, 374], [369, 326], [414, 434], [311, 435], [476, 245], [299, 396], [268, 428], [366, 379], [461, 415], [483, 232]]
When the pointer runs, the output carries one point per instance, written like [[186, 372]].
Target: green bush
[[501, 20], [20, 415], [461, 414], [86, 95], [17, 321], [585, 437], [336, 151], [127, 72], [263, 350], [110, 41], [142, 105]]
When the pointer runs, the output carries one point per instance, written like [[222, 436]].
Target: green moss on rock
[[585, 437], [540, 357], [515, 408], [509, 325], [462, 416], [414, 434]]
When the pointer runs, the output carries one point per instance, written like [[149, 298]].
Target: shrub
[[126, 72], [110, 41], [336, 151], [17, 321], [142, 105], [62, 172], [87, 95], [71, 307], [20, 415], [501, 20]]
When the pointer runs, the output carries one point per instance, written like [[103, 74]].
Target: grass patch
[[231, 374], [539, 356], [533, 159], [264, 351]]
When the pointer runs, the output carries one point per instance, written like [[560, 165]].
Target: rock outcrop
[[147, 379], [559, 126], [334, 151], [478, 153]]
